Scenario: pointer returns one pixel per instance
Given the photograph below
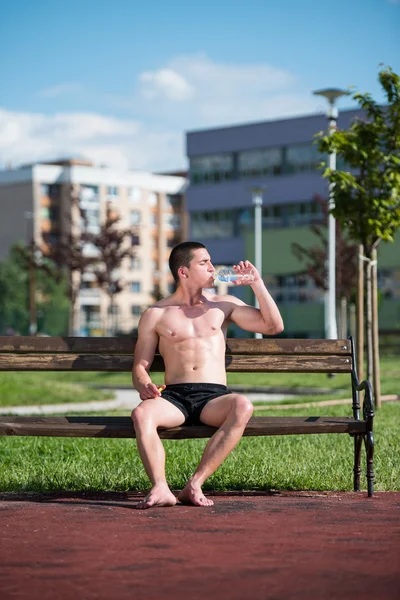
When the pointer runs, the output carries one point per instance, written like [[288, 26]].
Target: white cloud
[[212, 93], [60, 90], [122, 143], [165, 83]]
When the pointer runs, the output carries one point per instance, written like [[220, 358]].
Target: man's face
[[201, 270]]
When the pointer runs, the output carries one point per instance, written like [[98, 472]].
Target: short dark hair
[[181, 256]]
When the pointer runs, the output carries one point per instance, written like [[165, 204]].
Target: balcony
[[89, 296]]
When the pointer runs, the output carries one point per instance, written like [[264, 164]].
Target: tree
[[315, 258], [51, 302], [367, 195], [114, 245], [66, 253]]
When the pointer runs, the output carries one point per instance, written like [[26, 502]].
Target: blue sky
[[120, 82]]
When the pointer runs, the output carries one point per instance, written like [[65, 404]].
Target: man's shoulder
[[157, 309], [164, 303]]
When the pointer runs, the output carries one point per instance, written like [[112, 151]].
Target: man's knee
[[242, 409], [140, 416]]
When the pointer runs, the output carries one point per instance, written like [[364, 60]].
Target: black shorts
[[191, 398]]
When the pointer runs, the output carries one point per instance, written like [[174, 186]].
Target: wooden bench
[[242, 355]]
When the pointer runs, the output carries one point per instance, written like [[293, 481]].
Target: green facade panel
[[279, 259]]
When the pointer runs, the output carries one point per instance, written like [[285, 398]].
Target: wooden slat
[[83, 345], [121, 427], [240, 364]]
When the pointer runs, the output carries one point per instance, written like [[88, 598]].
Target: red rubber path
[[251, 546]]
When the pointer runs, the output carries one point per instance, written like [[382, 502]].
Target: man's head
[[183, 254]]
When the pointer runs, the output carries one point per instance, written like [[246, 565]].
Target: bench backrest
[[19, 353]]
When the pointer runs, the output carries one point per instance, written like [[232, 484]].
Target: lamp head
[[331, 94]]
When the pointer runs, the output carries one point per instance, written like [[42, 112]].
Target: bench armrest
[[368, 403]]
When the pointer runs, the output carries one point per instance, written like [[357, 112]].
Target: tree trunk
[[71, 311], [111, 317], [369, 375], [32, 292], [353, 320], [375, 331], [360, 315]]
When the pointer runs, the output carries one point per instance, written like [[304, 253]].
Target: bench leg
[[369, 446], [357, 461]]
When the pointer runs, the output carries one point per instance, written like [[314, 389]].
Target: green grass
[[52, 388], [22, 389], [303, 462]]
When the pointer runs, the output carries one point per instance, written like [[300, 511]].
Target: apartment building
[[39, 202]]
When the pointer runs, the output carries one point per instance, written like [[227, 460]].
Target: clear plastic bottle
[[229, 275]]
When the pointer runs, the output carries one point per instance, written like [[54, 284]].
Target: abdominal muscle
[[194, 359]]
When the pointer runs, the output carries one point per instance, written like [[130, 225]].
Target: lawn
[[52, 388], [302, 462], [22, 389]]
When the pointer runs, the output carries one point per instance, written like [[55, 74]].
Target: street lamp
[[331, 94], [30, 244], [257, 198]]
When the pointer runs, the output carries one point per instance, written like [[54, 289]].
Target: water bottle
[[228, 275]]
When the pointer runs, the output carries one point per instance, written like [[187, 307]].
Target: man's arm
[[267, 319], [144, 354]]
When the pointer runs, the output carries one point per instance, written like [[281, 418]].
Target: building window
[[90, 220], [154, 219], [302, 157], [135, 309], [112, 191], [135, 239], [136, 287], [216, 224], [295, 288], [173, 201], [136, 263], [211, 169], [256, 163], [113, 309], [134, 195], [90, 317], [89, 195], [44, 189], [135, 217], [172, 221]]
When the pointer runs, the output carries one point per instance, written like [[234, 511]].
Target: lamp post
[[31, 274], [257, 198], [331, 94]]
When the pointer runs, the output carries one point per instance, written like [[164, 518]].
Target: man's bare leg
[[231, 414], [146, 417]]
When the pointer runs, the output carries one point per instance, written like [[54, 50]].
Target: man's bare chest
[[181, 323]]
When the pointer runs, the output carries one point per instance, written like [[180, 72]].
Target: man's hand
[[242, 269], [150, 390]]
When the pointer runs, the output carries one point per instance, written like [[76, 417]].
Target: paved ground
[[252, 546]]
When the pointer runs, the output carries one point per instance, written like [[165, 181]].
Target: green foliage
[[367, 198], [13, 295], [51, 298]]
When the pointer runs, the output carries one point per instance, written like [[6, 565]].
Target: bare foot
[[159, 495], [194, 495]]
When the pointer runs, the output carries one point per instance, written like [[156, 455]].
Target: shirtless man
[[189, 328]]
